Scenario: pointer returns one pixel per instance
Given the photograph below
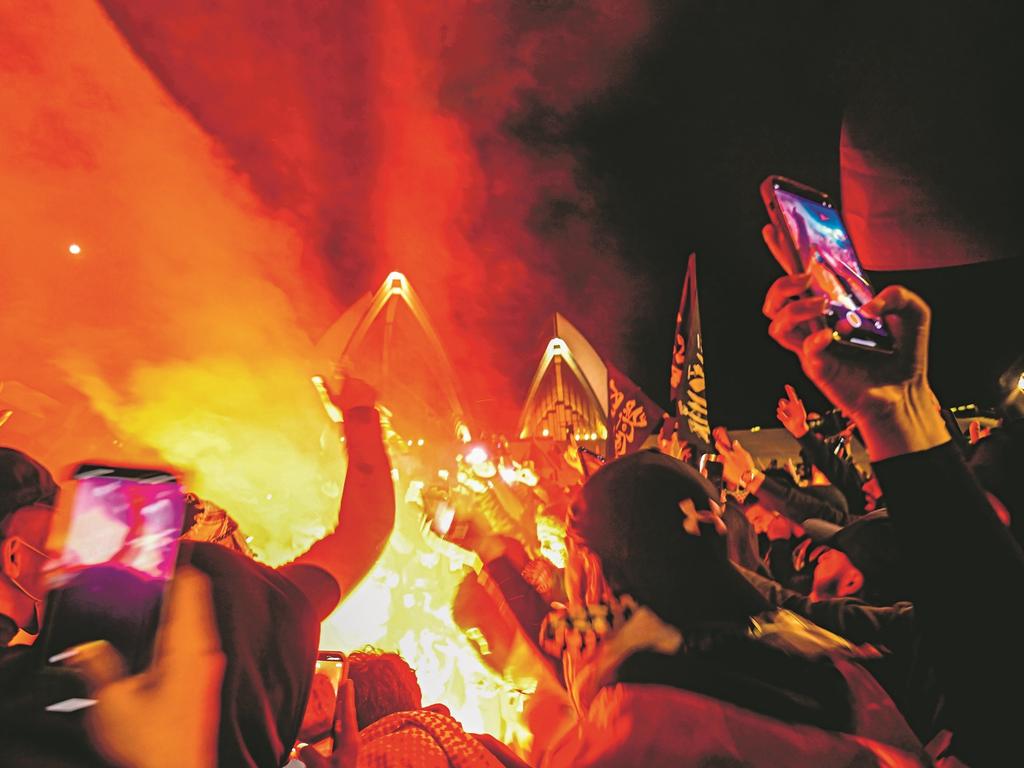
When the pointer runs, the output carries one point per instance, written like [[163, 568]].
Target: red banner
[[632, 415]]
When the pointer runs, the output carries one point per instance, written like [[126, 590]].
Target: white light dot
[[74, 249]]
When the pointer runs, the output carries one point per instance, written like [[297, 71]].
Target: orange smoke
[[176, 317]]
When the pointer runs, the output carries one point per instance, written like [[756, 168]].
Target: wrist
[[360, 414], [751, 480], [906, 424], [800, 430]]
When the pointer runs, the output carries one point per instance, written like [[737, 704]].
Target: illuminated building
[[569, 392]]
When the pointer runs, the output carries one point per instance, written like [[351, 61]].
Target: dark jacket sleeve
[[891, 626], [840, 472], [967, 580], [525, 603], [797, 505]]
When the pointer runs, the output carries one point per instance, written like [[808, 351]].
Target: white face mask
[[7, 543]]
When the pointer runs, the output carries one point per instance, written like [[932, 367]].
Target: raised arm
[[967, 571], [740, 470], [840, 472], [366, 514]]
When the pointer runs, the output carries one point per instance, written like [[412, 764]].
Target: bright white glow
[[420, 442], [545, 432], [74, 249], [556, 348], [397, 282], [477, 455], [508, 474], [444, 515], [1020, 383]]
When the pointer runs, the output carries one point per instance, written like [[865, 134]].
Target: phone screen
[[119, 551], [330, 672], [827, 253]]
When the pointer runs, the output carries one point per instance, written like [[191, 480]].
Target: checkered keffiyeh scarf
[[423, 739]]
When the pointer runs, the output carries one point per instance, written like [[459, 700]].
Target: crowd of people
[[832, 616]]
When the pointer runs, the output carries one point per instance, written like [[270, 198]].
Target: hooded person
[[677, 629], [861, 559]]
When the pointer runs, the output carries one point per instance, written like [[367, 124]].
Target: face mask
[[8, 542]]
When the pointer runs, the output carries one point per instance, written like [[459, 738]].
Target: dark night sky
[[724, 93]]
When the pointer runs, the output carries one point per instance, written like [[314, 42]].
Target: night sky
[[723, 94]]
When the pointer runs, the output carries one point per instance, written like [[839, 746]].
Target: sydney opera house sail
[[387, 338], [569, 393]]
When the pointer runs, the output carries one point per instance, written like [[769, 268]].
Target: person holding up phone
[[967, 571]]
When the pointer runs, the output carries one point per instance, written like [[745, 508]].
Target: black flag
[[689, 424]]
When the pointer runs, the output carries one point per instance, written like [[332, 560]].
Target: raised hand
[[352, 392], [792, 414], [738, 466], [345, 732], [167, 715], [887, 396]]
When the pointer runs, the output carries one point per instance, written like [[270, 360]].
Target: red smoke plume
[[422, 137]]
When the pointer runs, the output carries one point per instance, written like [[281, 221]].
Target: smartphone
[[818, 243], [439, 509], [317, 723], [118, 553], [711, 467]]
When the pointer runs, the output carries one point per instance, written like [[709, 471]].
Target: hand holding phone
[[119, 552], [344, 752], [807, 235], [330, 672]]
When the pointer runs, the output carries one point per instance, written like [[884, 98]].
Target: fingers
[[897, 300], [791, 394], [910, 319], [784, 290], [774, 240], [793, 322], [346, 726], [97, 662], [817, 342], [312, 758]]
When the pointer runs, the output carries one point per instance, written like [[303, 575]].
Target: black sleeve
[[840, 472], [525, 603], [797, 505], [891, 626], [967, 580]]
